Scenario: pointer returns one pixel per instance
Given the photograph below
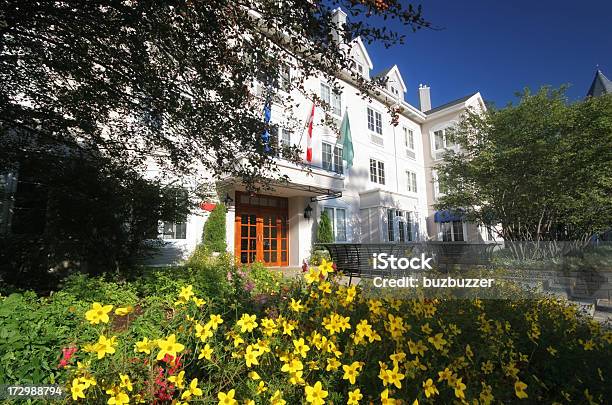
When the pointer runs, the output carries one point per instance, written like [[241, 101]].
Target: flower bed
[[312, 340]]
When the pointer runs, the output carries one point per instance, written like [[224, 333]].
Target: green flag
[[347, 141]]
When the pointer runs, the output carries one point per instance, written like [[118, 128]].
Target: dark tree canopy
[[167, 79], [541, 169]]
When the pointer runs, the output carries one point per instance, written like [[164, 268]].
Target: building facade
[[387, 195]]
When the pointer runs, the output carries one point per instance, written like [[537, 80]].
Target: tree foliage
[[325, 233], [170, 80], [541, 169], [214, 230]]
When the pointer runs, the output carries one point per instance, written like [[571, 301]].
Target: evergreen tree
[[214, 230], [325, 233]]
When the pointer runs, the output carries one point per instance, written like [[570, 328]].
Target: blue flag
[[265, 137]]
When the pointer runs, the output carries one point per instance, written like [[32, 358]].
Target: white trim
[[363, 50]]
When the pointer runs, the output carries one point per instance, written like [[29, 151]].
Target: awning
[[448, 216]]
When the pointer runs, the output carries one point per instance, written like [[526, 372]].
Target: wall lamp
[[307, 212]]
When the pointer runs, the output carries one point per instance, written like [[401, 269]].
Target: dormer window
[[356, 66], [395, 91]]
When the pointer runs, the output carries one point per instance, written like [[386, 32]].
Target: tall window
[[332, 98], [174, 230], [442, 139], [377, 171], [408, 227], [337, 217], [331, 158], [390, 225], [285, 77], [452, 231], [401, 225], [412, 182], [374, 121], [408, 138]]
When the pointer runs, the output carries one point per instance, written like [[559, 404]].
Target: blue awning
[[448, 216]]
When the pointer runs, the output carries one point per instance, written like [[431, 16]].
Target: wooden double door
[[261, 230]]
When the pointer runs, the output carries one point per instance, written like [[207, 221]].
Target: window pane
[[373, 176], [338, 160], [181, 231], [381, 172], [410, 139], [286, 137], [325, 93], [402, 231], [326, 159], [340, 225], [378, 117], [390, 225], [408, 227], [447, 235], [438, 140], [336, 103], [330, 215], [458, 231], [370, 119], [414, 182]]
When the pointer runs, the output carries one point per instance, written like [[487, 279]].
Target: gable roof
[[450, 104], [363, 50], [601, 85], [388, 72]]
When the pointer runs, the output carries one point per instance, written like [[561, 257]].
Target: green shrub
[[214, 230], [324, 231]]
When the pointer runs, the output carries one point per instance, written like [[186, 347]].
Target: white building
[[386, 196]]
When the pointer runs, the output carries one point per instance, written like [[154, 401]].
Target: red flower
[[67, 353]]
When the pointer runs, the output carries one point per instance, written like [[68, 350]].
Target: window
[[377, 171], [390, 225], [337, 217], [452, 231], [408, 138], [284, 80], [174, 230], [412, 182], [285, 140], [394, 90], [331, 158], [357, 66], [408, 227], [442, 139], [332, 98], [374, 121]]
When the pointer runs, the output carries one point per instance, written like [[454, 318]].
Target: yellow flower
[[426, 329], [551, 350], [384, 398], [193, 390], [178, 380], [103, 347], [459, 388], [254, 376], [203, 332], [395, 377], [277, 398], [169, 346], [296, 378], [351, 372], [118, 397], [315, 394], [186, 293], [438, 341], [215, 321], [332, 364], [227, 399], [250, 356], [296, 306], [87, 381], [247, 323], [487, 367], [429, 388], [123, 311], [98, 313], [261, 387], [300, 347], [354, 397], [125, 382], [325, 268], [519, 389], [205, 352], [198, 301], [77, 389], [288, 328], [312, 276], [292, 366], [486, 395], [145, 346]]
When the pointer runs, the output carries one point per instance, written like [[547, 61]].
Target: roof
[[388, 71], [362, 47], [450, 104], [601, 85]]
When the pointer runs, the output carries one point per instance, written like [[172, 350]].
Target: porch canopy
[[448, 215]]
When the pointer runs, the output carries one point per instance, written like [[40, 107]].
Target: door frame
[[277, 206]]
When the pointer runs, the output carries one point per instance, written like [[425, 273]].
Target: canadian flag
[[309, 139]]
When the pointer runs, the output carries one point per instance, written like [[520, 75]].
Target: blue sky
[[499, 47]]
